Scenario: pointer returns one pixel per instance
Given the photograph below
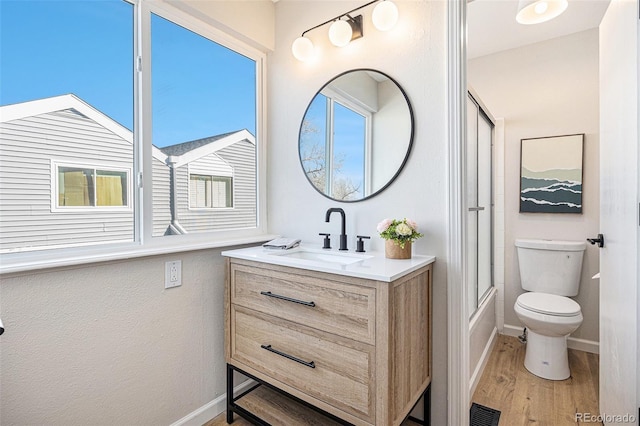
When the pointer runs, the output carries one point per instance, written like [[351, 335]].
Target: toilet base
[[547, 356]]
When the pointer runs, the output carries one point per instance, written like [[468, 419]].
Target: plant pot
[[393, 251]]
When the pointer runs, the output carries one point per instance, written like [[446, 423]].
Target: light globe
[[302, 49], [385, 15], [340, 33]]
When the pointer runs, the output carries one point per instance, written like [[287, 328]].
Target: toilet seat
[[548, 304]]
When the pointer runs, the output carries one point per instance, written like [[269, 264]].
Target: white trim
[[61, 103], [457, 291], [214, 147], [212, 409], [498, 220], [572, 342], [484, 358], [55, 208], [43, 259]]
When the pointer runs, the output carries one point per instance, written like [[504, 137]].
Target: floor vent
[[483, 416]]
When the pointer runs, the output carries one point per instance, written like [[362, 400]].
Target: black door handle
[[599, 240]]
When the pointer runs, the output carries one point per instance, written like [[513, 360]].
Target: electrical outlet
[[173, 274]]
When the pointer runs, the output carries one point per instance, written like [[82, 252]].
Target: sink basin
[[322, 256]]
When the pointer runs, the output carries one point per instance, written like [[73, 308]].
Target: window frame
[[140, 194], [57, 208], [332, 98], [213, 179]]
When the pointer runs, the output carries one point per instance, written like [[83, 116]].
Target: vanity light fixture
[[538, 11], [345, 28]]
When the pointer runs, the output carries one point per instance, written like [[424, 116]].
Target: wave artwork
[[551, 175]]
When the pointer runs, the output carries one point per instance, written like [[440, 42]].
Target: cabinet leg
[[427, 405], [229, 394]]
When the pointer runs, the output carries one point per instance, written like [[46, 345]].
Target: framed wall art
[[551, 174]]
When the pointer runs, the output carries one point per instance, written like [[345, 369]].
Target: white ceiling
[[492, 25]]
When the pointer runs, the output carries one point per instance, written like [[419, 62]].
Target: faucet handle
[[360, 243], [327, 242]]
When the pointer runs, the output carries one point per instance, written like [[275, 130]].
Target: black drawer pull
[[310, 364], [288, 299]]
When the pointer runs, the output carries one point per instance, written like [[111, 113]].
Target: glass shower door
[[479, 201]]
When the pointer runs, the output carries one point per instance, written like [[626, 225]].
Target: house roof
[[61, 103], [185, 147], [186, 152], [181, 153]]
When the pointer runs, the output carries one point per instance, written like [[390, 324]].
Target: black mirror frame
[[409, 148]]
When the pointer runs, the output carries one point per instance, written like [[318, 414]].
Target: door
[[619, 213], [479, 200]]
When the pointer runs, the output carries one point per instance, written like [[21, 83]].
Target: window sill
[[49, 259]]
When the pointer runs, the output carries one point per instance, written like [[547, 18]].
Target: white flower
[[404, 229]]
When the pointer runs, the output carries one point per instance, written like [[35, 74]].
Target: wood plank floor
[[525, 399]]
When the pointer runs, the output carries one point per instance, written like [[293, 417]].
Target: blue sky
[[51, 48]]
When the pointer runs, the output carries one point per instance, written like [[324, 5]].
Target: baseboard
[[211, 409], [484, 358], [572, 342]]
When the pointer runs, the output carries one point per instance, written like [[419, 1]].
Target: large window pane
[[204, 121], [66, 97]]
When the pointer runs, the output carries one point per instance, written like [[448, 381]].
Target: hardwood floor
[[524, 398]]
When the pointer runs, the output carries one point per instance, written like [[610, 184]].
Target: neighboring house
[[66, 179], [215, 184]]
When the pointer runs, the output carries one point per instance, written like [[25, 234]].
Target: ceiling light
[[537, 11], [385, 15]]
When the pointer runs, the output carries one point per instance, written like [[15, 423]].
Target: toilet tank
[[550, 266]]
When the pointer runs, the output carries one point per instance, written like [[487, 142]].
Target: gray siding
[[161, 198], [27, 148], [241, 157]]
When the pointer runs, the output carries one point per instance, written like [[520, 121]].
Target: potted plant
[[399, 234]]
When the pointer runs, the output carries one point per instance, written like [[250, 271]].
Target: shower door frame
[[482, 112]]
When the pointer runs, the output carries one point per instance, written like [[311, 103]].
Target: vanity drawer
[[334, 370], [344, 309]]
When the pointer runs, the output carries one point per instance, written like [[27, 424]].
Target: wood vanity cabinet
[[356, 348]]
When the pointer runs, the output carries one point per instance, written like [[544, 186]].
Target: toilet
[[550, 273]]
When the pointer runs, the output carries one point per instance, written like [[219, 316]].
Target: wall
[[413, 54], [107, 344], [547, 89]]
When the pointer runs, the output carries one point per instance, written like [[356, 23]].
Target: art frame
[[551, 174]]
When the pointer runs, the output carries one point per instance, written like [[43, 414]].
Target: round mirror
[[356, 135]]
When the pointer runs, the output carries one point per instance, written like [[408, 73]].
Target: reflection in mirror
[[356, 135]]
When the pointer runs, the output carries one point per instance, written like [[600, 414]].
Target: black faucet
[[343, 234]]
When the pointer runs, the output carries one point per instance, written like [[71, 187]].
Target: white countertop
[[370, 265]]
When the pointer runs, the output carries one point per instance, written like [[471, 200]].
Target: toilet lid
[[549, 304]]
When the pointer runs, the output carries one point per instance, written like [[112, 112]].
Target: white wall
[[107, 344], [249, 20], [547, 89], [414, 55]]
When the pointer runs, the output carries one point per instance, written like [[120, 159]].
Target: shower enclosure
[[480, 203]]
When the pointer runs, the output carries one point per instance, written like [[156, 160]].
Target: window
[[335, 138], [75, 171], [79, 187], [211, 191], [204, 117]]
